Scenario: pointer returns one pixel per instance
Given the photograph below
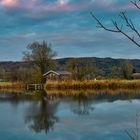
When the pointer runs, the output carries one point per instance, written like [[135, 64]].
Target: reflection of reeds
[[112, 95], [97, 85], [88, 92]]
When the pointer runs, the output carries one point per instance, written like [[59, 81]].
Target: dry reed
[[94, 84], [10, 85]]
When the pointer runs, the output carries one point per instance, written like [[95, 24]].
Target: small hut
[[57, 75], [136, 75]]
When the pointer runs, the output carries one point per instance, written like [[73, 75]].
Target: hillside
[[103, 64]]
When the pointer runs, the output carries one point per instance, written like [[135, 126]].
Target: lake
[[25, 117]]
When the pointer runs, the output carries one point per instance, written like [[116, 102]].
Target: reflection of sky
[[66, 24], [107, 121]]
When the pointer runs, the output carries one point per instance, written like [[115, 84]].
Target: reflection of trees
[[41, 115], [11, 97], [83, 105]]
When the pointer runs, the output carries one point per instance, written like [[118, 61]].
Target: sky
[[67, 25]]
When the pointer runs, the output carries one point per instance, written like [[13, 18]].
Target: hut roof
[[136, 74], [57, 72]]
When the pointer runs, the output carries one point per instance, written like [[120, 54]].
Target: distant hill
[[8, 65], [103, 64]]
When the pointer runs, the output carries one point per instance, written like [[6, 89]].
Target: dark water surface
[[73, 118]]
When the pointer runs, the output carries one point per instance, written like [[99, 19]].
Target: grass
[[92, 84]]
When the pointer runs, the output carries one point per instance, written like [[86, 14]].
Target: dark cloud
[[67, 24]]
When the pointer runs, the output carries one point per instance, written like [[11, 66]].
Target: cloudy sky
[[67, 25]]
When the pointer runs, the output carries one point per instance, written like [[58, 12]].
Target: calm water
[[80, 118]]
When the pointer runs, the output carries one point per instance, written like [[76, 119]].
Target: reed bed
[[11, 85], [93, 84]]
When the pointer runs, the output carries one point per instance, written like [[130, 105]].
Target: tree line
[[40, 57]]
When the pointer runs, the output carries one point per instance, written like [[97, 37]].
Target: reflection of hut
[[136, 75], [57, 75]]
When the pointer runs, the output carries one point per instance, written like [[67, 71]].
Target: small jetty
[[35, 86]]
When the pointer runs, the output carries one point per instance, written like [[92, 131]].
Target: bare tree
[[120, 28], [134, 133], [40, 54]]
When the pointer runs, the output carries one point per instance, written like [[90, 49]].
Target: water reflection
[[40, 116], [98, 95], [41, 112], [82, 105], [11, 97]]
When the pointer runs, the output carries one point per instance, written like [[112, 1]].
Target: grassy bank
[[11, 85], [92, 84]]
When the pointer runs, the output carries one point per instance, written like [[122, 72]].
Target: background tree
[[76, 69], [126, 27], [80, 69], [114, 72], [2, 74], [29, 75], [40, 55], [126, 68], [82, 105]]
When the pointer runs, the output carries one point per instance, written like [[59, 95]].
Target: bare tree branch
[[136, 3], [130, 136], [100, 25], [137, 129], [128, 24]]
